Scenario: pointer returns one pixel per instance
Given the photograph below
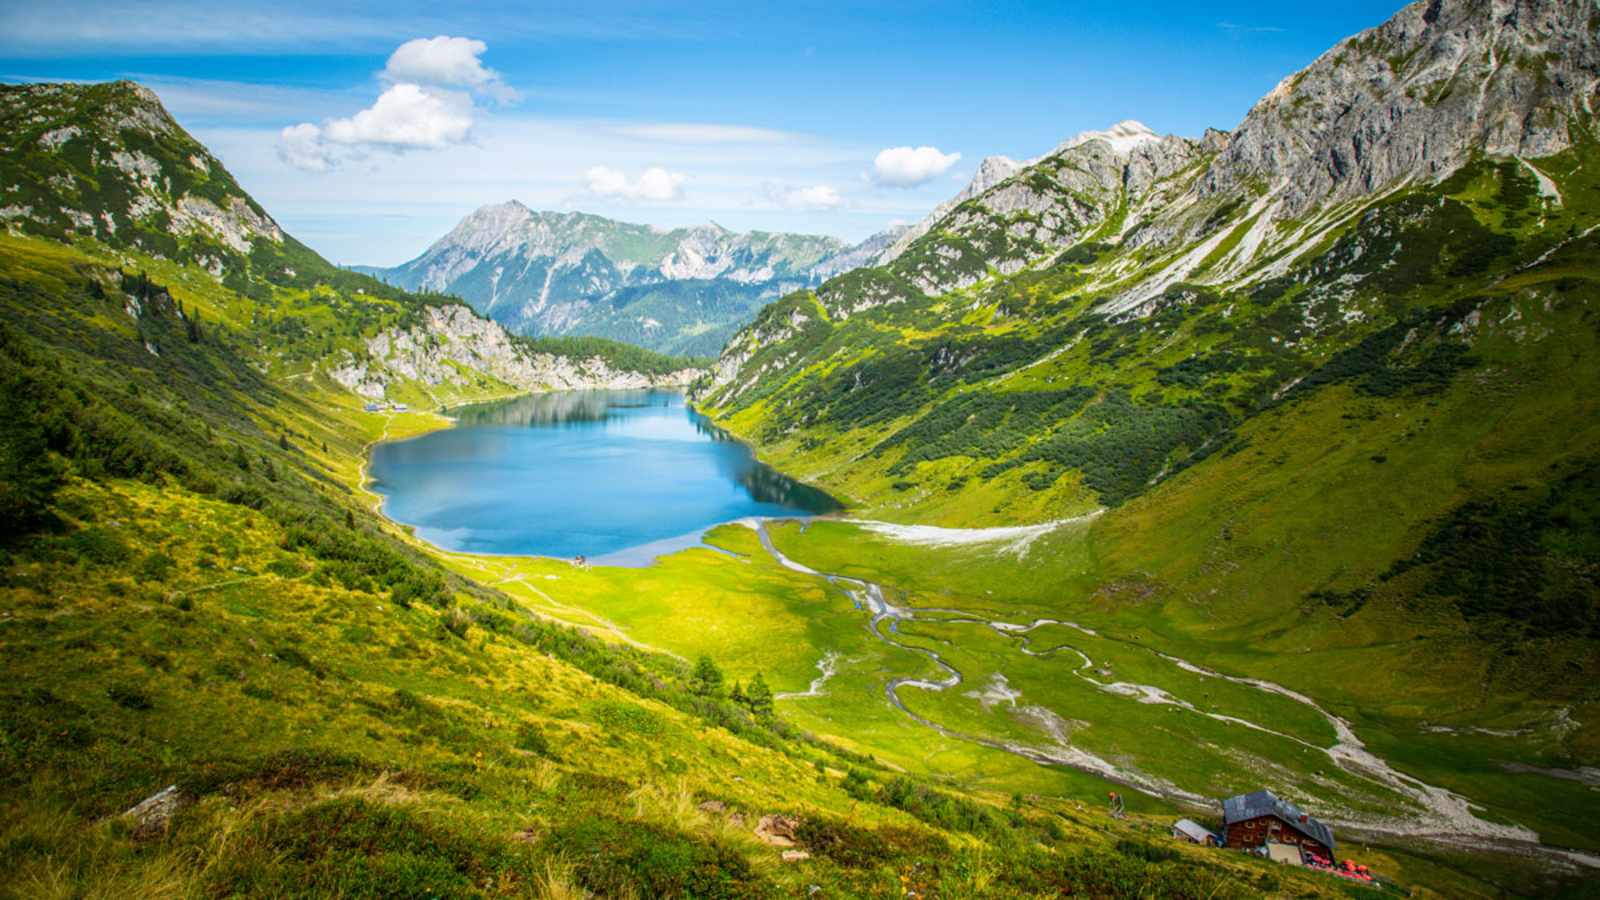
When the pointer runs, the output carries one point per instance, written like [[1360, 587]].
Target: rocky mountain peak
[[679, 289], [107, 161], [1418, 96], [1123, 138], [992, 171]]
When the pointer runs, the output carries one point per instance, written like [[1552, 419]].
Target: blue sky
[[750, 115]]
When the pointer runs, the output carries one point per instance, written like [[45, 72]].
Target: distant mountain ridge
[[681, 290]]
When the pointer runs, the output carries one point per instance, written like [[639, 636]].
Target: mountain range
[[1174, 467], [681, 291]]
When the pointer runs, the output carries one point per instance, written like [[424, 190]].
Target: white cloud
[[426, 106], [654, 183], [909, 167], [818, 196], [301, 146], [446, 61], [702, 133], [405, 117]]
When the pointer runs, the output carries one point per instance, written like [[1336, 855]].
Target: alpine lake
[[617, 477]]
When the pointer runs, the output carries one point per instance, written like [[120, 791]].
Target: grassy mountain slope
[[1341, 441], [197, 592]]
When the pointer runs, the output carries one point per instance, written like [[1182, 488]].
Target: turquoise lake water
[[616, 476]]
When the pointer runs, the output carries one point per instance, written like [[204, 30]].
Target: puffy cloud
[[406, 116], [426, 106], [818, 196], [654, 183], [909, 167], [446, 61], [301, 146]]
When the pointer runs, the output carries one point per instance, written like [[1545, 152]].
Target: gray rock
[[451, 337], [152, 816]]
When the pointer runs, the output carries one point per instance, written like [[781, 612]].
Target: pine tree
[[737, 695], [283, 441], [759, 697], [707, 678], [349, 519]]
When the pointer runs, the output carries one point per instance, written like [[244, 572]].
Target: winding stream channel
[[1443, 815]]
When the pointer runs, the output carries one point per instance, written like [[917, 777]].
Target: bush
[[352, 848], [128, 696], [1146, 852], [614, 857], [296, 657], [456, 622], [156, 566], [627, 717], [531, 739], [99, 545], [860, 848]]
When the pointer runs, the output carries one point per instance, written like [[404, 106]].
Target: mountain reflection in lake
[[618, 475]]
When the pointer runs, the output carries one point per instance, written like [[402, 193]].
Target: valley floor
[[939, 652]]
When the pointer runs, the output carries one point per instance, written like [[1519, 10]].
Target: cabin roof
[[1265, 803], [1195, 831]]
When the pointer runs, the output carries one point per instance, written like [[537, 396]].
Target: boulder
[[777, 830], [152, 816]]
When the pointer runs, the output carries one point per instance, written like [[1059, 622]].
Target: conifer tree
[[737, 695], [759, 697], [707, 678]]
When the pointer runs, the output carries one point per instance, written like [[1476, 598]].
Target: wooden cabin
[[1256, 819]]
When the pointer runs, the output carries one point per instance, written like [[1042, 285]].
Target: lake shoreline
[[478, 504]]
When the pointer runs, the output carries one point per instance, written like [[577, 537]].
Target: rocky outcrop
[[452, 343], [116, 167], [1418, 96], [992, 171]]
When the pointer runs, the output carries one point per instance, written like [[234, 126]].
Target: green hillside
[[1178, 469], [1347, 453], [198, 594]]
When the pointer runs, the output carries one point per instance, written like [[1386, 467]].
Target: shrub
[[614, 857], [622, 716], [128, 696], [532, 739], [99, 545], [296, 657], [156, 566], [860, 848], [352, 848], [456, 622], [1146, 852]]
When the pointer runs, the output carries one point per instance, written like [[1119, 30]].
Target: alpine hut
[[1259, 818]]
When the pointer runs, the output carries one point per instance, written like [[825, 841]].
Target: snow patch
[[1124, 137], [1015, 539]]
